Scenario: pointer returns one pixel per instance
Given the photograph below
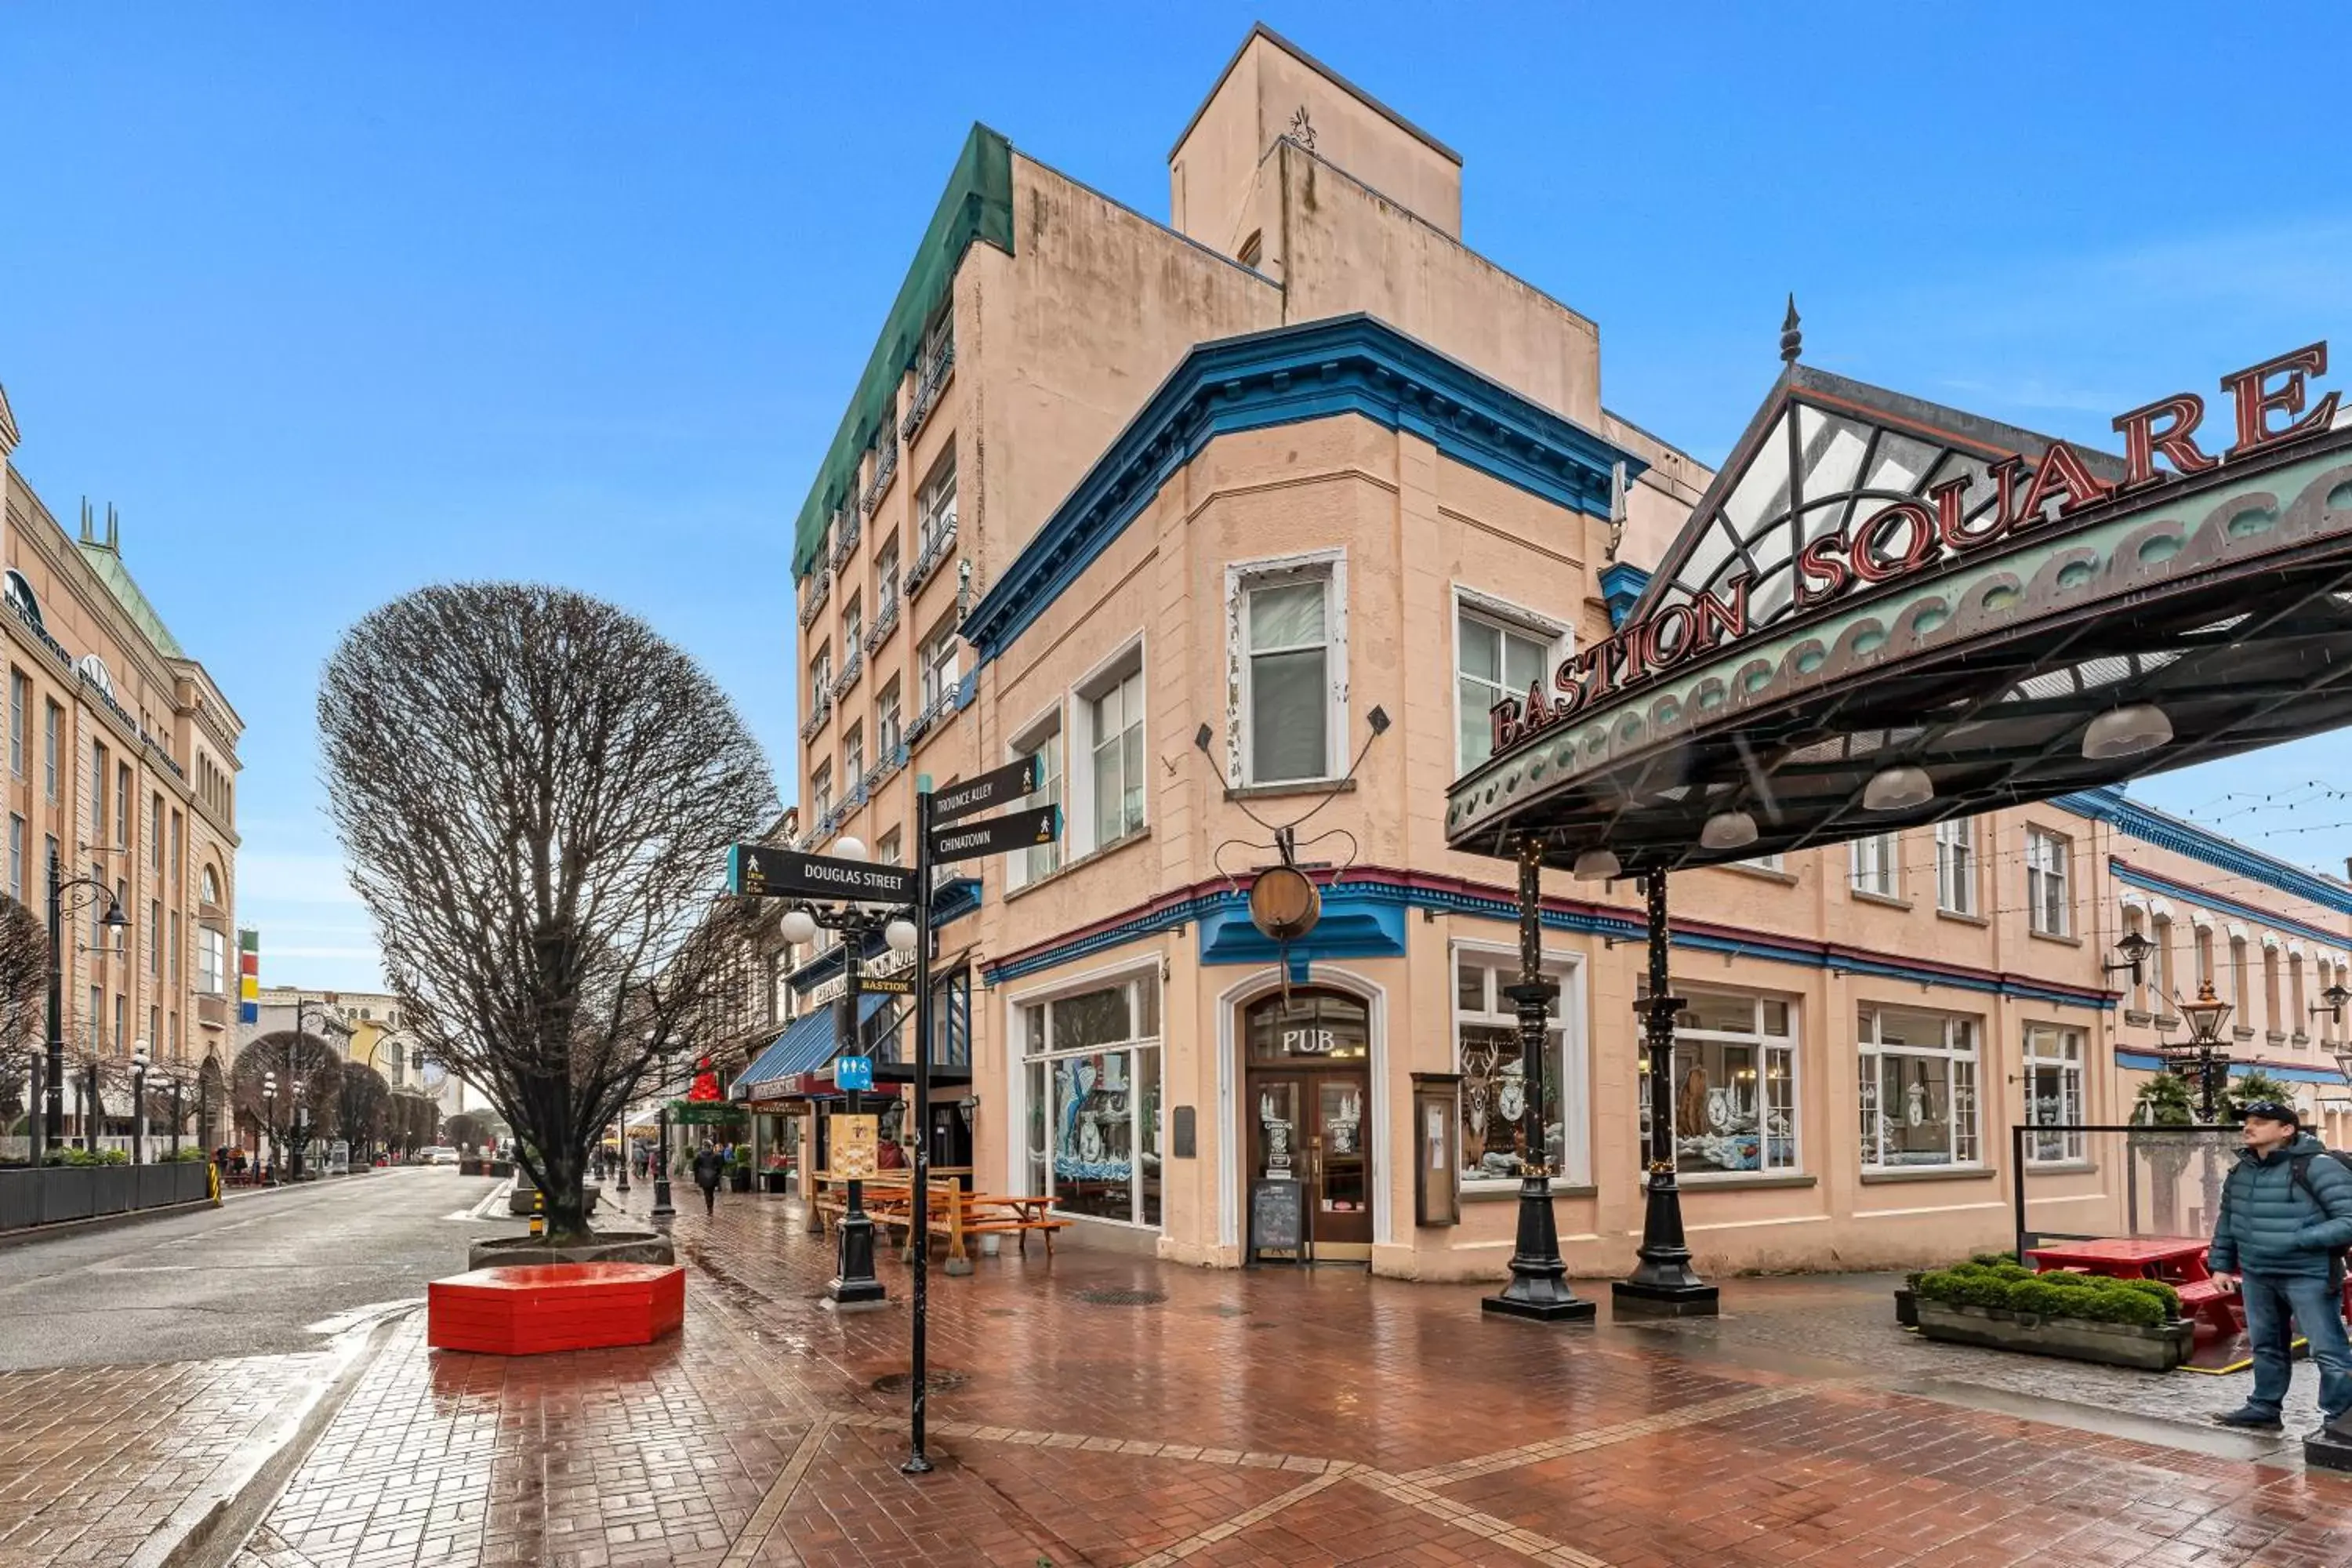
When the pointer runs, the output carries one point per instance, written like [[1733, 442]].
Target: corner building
[[1179, 508], [120, 763]]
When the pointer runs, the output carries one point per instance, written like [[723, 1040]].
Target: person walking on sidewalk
[[708, 1167], [2279, 1239]]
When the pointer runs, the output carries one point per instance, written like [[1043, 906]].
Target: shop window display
[[1093, 1086], [2053, 1091], [1918, 1088], [1493, 1138], [1735, 1078]]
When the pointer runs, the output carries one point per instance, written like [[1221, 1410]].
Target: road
[[266, 1274]]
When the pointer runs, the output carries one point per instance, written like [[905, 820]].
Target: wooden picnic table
[[2176, 1261]]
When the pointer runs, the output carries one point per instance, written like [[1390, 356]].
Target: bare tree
[[24, 1011], [412, 1121], [536, 793], [363, 1105], [310, 1073]]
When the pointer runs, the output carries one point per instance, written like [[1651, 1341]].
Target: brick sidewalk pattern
[[1100, 1409]]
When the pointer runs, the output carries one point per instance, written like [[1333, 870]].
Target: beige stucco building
[[121, 766], [1243, 522]]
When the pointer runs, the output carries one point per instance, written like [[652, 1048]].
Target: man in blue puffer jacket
[[2286, 1216]]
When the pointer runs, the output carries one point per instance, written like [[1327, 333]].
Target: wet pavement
[[1101, 1409]]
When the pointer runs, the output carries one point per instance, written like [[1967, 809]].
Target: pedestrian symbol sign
[[853, 1072]]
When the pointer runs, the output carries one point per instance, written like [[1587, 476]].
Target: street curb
[[23, 1234], [217, 1536]]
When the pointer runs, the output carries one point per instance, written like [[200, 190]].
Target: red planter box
[[528, 1309]]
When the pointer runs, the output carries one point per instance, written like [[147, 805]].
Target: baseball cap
[[2272, 1110]]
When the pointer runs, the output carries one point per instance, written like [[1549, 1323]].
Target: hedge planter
[[738, 1179], [2158, 1349], [778, 1182]]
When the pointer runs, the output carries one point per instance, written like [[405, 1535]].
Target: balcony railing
[[814, 594], [845, 531], [885, 469], [951, 700], [886, 766], [937, 543], [886, 621], [850, 671], [817, 717], [932, 381]]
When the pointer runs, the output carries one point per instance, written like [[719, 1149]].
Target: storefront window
[[1918, 1088], [1494, 1074], [1735, 1076], [2053, 1091], [1093, 1085]]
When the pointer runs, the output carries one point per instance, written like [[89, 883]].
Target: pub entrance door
[[1307, 1083]]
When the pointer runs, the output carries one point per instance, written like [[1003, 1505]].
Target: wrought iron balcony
[[928, 385], [937, 543], [814, 594], [817, 717], [886, 766], [883, 472], [850, 671], [886, 621], [845, 534]]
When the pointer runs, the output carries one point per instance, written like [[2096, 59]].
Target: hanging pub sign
[[2268, 401]]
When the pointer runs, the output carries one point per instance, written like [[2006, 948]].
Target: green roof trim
[[977, 204], [107, 562]]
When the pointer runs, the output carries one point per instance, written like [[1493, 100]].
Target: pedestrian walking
[[2279, 1240], [708, 1167]]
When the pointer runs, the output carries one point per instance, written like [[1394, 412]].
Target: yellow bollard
[[538, 1213]]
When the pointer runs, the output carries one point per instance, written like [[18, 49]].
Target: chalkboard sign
[[1277, 1217]]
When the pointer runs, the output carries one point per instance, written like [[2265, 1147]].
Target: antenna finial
[[1793, 338]]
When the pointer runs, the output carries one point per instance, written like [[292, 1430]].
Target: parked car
[[441, 1156]]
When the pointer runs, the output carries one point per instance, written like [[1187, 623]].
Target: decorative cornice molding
[[2133, 875], [2113, 807], [1347, 364]]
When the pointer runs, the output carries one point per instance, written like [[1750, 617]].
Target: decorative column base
[[1662, 1285], [1539, 1286], [854, 1285]]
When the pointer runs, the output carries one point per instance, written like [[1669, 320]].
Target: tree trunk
[[566, 1194]]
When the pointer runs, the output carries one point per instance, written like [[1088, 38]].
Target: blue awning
[[807, 1044]]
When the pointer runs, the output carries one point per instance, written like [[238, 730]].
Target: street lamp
[[2205, 1016], [139, 1102], [297, 1121], [270, 1112], [2134, 949], [112, 920]]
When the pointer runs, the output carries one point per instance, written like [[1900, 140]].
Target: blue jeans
[[2315, 1303]]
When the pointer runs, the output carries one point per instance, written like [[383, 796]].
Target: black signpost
[[759, 870]]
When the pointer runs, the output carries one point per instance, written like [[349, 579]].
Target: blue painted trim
[[2109, 806], [1223, 907], [2147, 1061], [1353, 926], [2148, 882], [1621, 589], [1347, 364]]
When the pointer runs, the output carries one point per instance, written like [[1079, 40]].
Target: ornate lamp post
[[138, 1103], [2205, 1016], [270, 1114], [662, 1208], [112, 920], [1663, 1283]]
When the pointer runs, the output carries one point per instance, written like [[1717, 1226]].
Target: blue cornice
[[2149, 882], [2112, 807], [2148, 1061], [1621, 589], [1347, 364], [1366, 917]]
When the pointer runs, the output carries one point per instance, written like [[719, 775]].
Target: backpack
[[2299, 1174]]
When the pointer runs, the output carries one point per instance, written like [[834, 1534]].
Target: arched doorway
[[1306, 1109]]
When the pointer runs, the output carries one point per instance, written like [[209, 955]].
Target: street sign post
[[1001, 786], [762, 870], [1024, 829]]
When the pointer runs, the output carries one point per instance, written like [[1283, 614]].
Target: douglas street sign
[[1017, 830], [761, 872]]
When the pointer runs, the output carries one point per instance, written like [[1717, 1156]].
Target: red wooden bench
[[528, 1309]]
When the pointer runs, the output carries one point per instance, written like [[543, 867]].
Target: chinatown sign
[[1908, 536]]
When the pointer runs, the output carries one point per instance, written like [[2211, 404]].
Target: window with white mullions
[[1956, 866], [1043, 741], [1734, 1084], [2053, 1092], [1918, 1088], [1287, 634], [1496, 660], [1874, 864], [2048, 899], [1091, 1083], [1115, 735]]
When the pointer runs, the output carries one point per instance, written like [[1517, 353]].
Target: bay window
[[1091, 1073], [1918, 1088]]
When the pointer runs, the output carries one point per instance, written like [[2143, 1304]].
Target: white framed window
[[886, 579], [1956, 865], [941, 658], [936, 509], [1107, 757], [2160, 968], [852, 628], [853, 758], [1874, 864], [1287, 647], [1776, 862], [211, 961], [821, 792], [20, 700], [1918, 1088], [821, 679], [1042, 740], [889, 721], [2053, 1091], [1492, 1136], [52, 722], [2048, 897], [890, 850], [2135, 923], [1091, 1090], [1735, 1085], [1496, 654]]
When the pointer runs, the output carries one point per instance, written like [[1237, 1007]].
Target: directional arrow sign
[[1005, 785], [1017, 830], [761, 872]]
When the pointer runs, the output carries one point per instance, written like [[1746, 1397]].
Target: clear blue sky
[[332, 300]]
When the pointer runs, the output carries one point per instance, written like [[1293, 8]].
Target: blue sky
[[335, 300]]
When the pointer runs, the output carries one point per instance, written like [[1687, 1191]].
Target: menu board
[[1277, 1216], [855, 1139]]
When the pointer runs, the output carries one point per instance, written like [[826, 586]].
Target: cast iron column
[[662, 1208], [1539, 1286], [1662, 1284], [854, 1283]]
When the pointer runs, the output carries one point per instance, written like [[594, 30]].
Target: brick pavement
[[1274, 1417]]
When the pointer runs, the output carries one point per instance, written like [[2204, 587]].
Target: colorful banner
[[248, 977]]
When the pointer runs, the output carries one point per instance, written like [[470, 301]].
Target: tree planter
[[57, 1194], [2158, 1349], [604, 1247]]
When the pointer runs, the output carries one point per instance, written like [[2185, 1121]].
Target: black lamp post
[[2205, 1016], [298, 1121], [269, 1116], [112, 920], [662, 1208], [623, 1183], [138, 1103], [1663, 1283]]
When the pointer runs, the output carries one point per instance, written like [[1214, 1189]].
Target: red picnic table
[[2177, 1260]]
